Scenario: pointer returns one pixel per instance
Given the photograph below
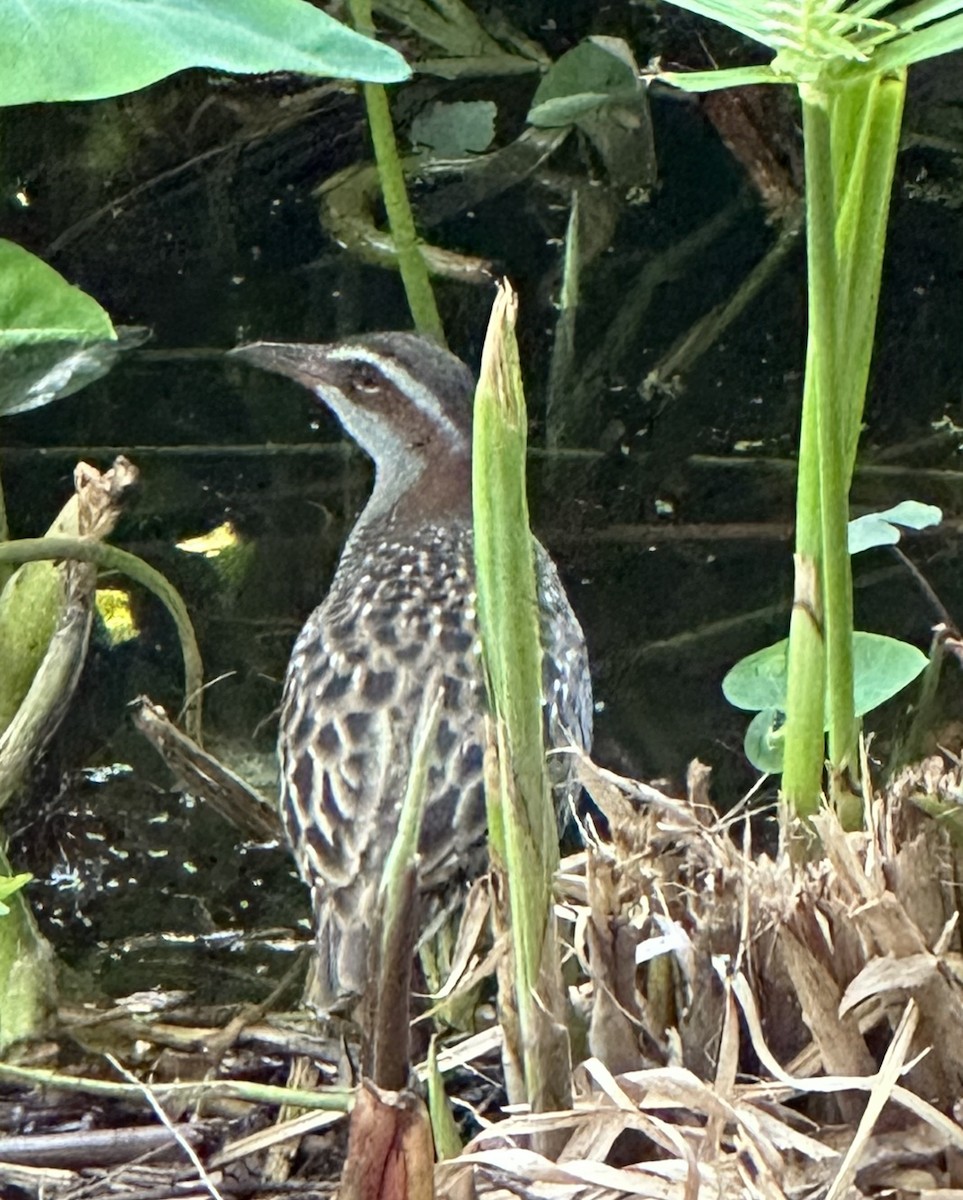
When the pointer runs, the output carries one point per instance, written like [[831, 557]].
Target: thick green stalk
[[411, 263], [834, 411], [851, 138]]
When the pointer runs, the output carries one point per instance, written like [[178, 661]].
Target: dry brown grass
[[756, 1026]]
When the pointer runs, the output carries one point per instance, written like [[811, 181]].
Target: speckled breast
[[399, 619]]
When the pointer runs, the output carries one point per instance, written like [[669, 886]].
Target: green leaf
[[810, 36], [714, 81], [34, 375], [758, 681], [592, 75], [941, 38], [13, 883], [764, 742], [9, 885], [925, 12], [448, 1143], [882, 667], [39, 305], [880, 528], [756, 19], [88, 49], [454, 130]]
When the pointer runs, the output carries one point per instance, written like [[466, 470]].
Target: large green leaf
[[88, 49]]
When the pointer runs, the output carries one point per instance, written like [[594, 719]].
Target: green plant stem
[[835, 409], [324, 1099], [411, 263], [806, 670], [851, 138], [110, 558]]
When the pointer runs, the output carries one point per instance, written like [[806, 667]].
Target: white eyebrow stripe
[[423, 398]]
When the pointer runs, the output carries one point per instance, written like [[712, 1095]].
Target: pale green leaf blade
[[880, 528], [79, 50], [942, 38], [758, 681], [9, 884], [755, 19], [882, 666], [715, 81], [926, 12], [444, 1128]]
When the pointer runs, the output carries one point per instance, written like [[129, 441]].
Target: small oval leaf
[[764, 743], [758, 681]]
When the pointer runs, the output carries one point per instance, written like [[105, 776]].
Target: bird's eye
[[367, 378]]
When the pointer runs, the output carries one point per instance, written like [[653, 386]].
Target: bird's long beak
[[303, 361]]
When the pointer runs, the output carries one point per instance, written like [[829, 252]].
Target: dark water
[[188, 209]]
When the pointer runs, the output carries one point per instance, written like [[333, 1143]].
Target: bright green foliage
[[848, 62], [88, 49], [827, 40], [884, 666]]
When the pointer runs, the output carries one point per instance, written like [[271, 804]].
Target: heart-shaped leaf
[[882, 666]]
